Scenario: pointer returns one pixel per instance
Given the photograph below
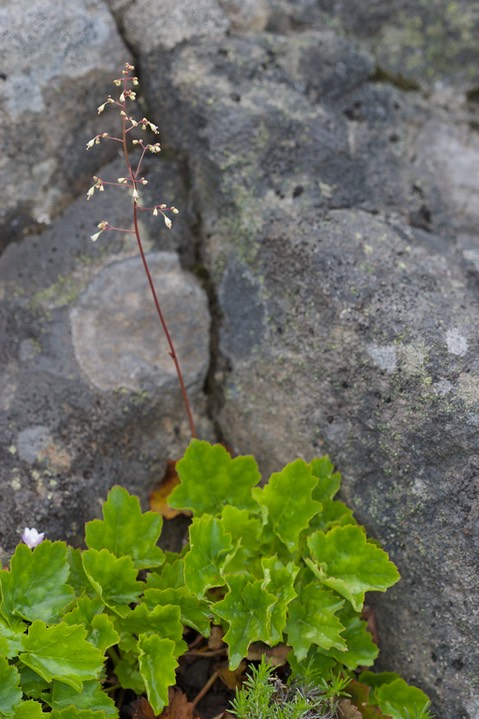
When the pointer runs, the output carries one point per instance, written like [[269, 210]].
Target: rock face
[[328, 153], [346, 276]]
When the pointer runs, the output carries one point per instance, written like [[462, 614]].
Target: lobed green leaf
[[395, 697], [61, 652], [329, 480], [128, 673], [11, 638], [210, 479], [362, 652], [32, 684], [195, 612], [10, 692], [345, 561], [209, 546], [114, 579], [73, 713], [30, 709], [287, 501], [312, 619], [162, 620], [88, 612], [279, 581], [247, 608], [91, 697], [157, 668], [127, 531], [35, 587]]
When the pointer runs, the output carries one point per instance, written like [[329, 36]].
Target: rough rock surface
[[56, 67], [333, 231], [88, 398]]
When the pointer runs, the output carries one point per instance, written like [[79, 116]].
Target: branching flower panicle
[[132, 181]]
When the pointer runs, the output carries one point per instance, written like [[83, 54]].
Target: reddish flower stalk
[[133, 181]]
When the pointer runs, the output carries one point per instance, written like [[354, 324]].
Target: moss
[[64, 291]]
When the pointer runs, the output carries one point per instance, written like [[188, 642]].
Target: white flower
[[168, 222], [31, 537]]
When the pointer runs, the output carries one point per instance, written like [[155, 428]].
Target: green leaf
[[312, 620], [162, 620], [102, 634], [32, 684], [86, 608], [362, 651], [171, 575], [246, 535], [289, 518], [11, 638], [61, 652], [114, 579], [157, 667], [78, 579], [128, 673], [247, 608], [344, 560], [242, 527], [279, 581], [334, 514], [210, 479], [195, 612], [72, 713], [402, 701], [377, 679], [35, 587], [10, 692], [126, 531], [203, 563], [91, 697], [329, 480], [30, 709]]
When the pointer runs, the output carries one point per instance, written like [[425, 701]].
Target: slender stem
[[171, 346], [171, 350]]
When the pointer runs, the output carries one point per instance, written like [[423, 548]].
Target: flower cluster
[[133, 180]]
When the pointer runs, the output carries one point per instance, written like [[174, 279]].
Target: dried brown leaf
[[178, 707], [159, 496]]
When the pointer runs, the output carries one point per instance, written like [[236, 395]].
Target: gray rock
[[88, 396], [246, 15], [115, 327], [430, 45], [349, 308], [149, 26], [57, 63]]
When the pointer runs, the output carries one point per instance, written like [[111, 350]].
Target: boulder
[[89, 396], [347, 304]]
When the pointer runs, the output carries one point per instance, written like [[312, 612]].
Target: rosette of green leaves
[[286, 562]]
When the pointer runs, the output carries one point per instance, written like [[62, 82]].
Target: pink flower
[[31, 537]]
